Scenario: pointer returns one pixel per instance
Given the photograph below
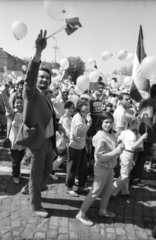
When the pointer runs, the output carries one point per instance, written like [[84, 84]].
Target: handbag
[[6, 143]]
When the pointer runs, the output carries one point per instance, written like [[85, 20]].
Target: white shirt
[[119, 117], [127, 136]]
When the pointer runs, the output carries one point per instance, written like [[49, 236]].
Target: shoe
[[127, 196], [83, 189], [54, 176], [85, 220], [25, 190], [71, 192], [107, 214], [137, 183], [16, 180], [113, 198], [42, 213], [44, 188]]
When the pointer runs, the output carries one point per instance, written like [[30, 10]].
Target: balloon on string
[[122, 55], [91, 61], [78, 91], [74, 99], [148, 67], [130, 57], [64, 63], [24, 68], [82, 82], [19, 30], [106, 55], [93, 76], [59, 10]]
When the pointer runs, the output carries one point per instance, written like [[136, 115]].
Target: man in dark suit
[[39, 125]]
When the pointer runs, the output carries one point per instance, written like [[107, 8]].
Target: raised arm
[[5, 98], [32, 72]]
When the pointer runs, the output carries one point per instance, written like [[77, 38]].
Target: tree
[[75, 69], [126, 70]]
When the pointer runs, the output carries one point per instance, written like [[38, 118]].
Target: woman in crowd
[[77, 161], [14, 118], [105, 160]]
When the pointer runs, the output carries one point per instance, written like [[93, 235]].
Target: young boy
[[129, 139]]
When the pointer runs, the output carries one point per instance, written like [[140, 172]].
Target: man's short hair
[[45, 70]]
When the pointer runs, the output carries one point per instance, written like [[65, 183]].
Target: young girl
[[105, 160], [14, 117], [77, 161], [66, 123], [129, 139]]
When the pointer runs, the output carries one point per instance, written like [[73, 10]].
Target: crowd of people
[[106, 133]]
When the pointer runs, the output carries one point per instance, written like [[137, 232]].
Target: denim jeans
[[17, 157], [76, 163]]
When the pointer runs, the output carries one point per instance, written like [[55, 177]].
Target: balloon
[[19, 30], [148, 67], [93, 76], [78, 91], [130, 57], [55, 79], [143, 86], [122, 55], [74, 99], [106, 55], [82, 82], [59, 10], [91, 61], [13, 73], [64, 63], [127, 81], [24, 68]]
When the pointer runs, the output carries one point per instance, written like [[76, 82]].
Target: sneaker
[[83, 189], [84, 219], [71, 192], [42, 213], [54, 176], [16, 180], [107, 214], [25, 190]]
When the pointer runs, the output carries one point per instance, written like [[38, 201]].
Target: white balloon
[[24, 68], [82, 82], [74, 99], [106, 55], [64, 63], [59, 10], [93, 76], [130, 57], [78, 91], [91, 61], [148, 67], [122, 55], [19, 30], [127, 81]]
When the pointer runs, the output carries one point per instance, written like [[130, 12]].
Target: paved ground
[[135, 218]]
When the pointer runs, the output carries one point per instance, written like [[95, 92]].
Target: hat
[[85, 96], [130, 116]]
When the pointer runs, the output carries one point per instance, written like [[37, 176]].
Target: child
[[105, 160], [14, 117], [128, 138]]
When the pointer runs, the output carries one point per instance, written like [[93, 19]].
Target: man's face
[[43, 80], [20, 87], [101, 87], [125, 101]]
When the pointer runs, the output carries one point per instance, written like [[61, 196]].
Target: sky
[[106, 26]]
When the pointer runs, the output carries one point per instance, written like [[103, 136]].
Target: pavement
[[135, 218]]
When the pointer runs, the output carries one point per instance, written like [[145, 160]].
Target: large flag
[[140, 86]]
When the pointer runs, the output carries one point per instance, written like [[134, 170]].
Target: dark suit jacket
[[36, 113]]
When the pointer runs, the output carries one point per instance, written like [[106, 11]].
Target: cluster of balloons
[[19, 30]]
